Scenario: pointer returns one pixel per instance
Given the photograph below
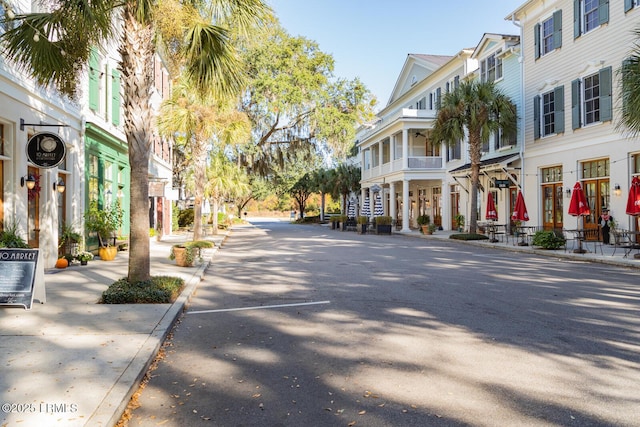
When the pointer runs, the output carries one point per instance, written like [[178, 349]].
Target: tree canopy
[[296, 105]]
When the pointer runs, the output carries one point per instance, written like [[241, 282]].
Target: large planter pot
[[383, 228], [108, 253], [180, 255], [362, 228]]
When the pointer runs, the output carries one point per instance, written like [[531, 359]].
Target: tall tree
[[200, 122], [346, 179], [187, 33], [630, 80], [295, 104], [224, 179], [476, 109]]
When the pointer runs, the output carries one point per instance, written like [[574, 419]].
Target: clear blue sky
[[370, 39]]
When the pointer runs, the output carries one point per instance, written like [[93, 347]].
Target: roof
[[488, 162]]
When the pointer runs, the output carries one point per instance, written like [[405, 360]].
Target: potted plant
[[68, 240], [362, 222], [431, 228], [185, 253], [459, 219], [104, 222], [383, 224], [84, 257], [423, 221], [343, 222]]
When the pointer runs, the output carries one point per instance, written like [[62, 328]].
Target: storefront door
[[33, 208]]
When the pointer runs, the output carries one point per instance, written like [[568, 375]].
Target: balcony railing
[[415, 163]]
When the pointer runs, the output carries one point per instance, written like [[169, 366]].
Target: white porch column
[[380, 146], [405, 150], [392, 200], [362, 194], [392, 147], [406, 203]]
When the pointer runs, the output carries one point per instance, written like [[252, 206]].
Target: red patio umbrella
[[520, 210], [491, 214], [578, 206], [520, 214], [633, 202]]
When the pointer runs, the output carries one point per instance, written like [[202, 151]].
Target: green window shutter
[[606, 103], [603, 11], [558, 96], [628, 5], [115, 97], [576, 19], [536, 117], [94, 80], [575, 104], [557, 29], [536, 40]]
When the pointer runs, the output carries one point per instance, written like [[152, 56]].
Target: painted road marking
[[260, 307]]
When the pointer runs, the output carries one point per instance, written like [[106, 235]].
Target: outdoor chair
[[621, 239], [592, 236]]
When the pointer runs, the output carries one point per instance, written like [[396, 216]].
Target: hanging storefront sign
[[46, 150]]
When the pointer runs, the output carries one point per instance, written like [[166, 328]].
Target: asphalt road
[[306, 326]]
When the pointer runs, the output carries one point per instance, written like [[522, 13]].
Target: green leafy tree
[[346, 179], [629, 74], [296, 106], [478, 109], [193, 36], [224, 179], [301, 191], [201, 121]]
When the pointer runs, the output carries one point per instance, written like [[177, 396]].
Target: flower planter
[[383, 228], [362, 228], [83, 262]]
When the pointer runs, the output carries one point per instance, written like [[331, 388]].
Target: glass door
[[33, 209]]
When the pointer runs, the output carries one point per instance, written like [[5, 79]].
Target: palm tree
[[199, 122], [54, 48], [630, 79], [346, 179], [476, 109], [224, 179]]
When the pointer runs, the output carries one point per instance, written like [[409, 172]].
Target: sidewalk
[[607, 257], [72, 362]]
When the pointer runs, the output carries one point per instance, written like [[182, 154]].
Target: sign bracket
[[23, 124]]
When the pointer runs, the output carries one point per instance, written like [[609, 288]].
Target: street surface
[[300, 325]]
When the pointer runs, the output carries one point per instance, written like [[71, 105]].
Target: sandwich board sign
[[17, 276]]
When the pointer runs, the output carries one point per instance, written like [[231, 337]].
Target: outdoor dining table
[[494, 229], [634, 239], [579, 236], [523, 231]]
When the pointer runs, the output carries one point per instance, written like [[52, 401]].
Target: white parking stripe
[[258, 307]]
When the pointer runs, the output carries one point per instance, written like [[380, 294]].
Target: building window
[[591, 99], [548, 34], [454, 151], [591, 96], [630, 4], [548, 110], [491, 67], [589, 15]]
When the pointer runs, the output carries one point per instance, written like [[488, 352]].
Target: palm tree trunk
[[137, 52], [475, 145], [214, 212]]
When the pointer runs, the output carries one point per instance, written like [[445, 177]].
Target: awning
[[501, 161]]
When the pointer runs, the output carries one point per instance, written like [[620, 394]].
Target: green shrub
[[468, 236], [383, 220], [185, 218], [547, 240], [157, 290], [11, 238], [362, 220]]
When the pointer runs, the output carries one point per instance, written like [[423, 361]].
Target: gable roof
[[491, 40], [416, 68]]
